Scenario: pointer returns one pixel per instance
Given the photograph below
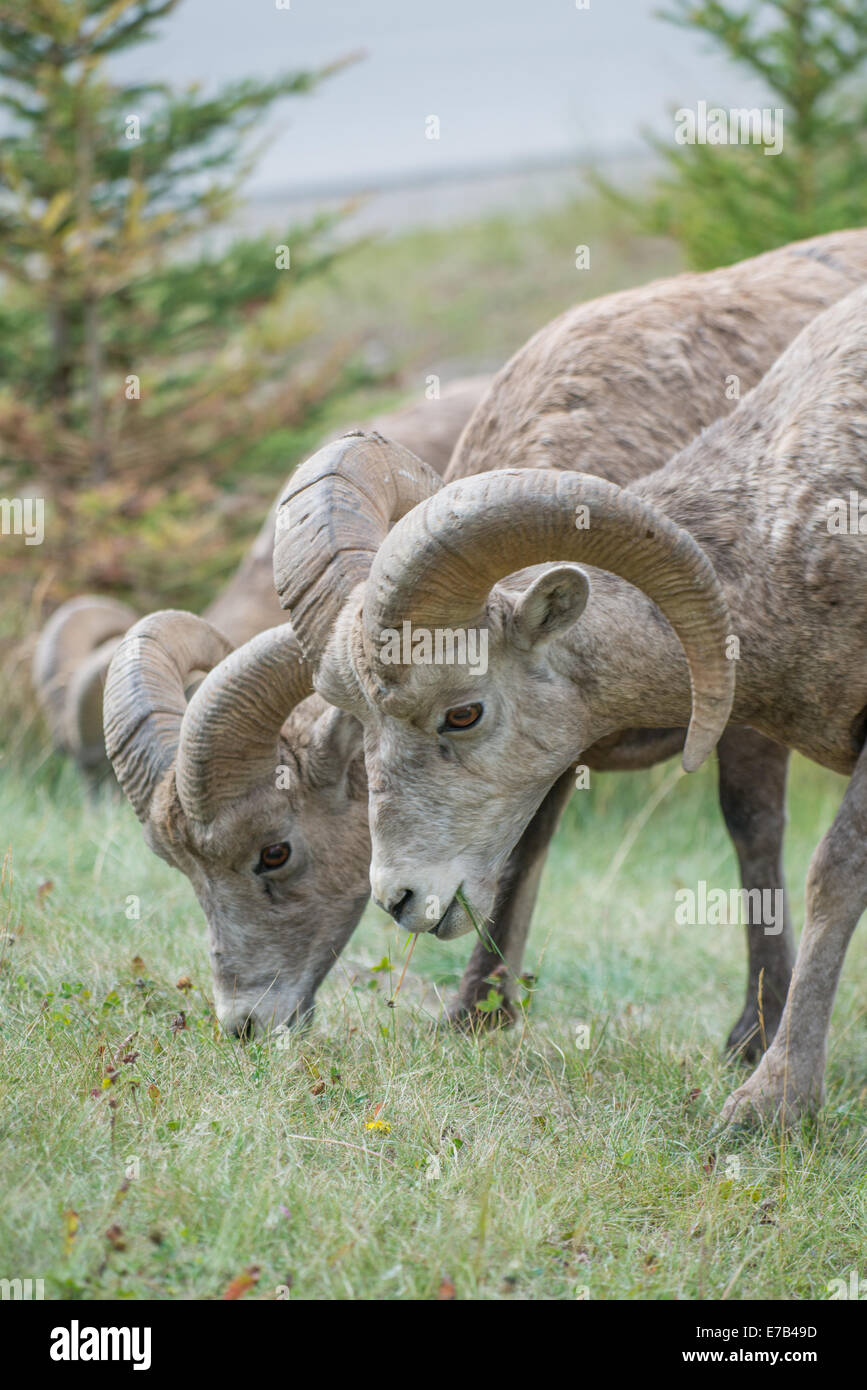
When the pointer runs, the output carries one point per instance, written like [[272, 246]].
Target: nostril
[[399, 905], [243, 1029]]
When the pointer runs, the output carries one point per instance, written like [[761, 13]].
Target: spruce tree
[[127, 349], [726, 202]]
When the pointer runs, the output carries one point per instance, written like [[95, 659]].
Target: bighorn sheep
[[201, 774], [751, 544], [612, 388], [79, 640], [281, 869]]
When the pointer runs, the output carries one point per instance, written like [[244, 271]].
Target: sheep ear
[[335, 740], [553, 602]]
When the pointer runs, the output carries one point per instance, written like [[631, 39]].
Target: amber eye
[[463, 716], [274, 856]]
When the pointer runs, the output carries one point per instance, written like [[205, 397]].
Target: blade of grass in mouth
[[480, 929], [483, 934]]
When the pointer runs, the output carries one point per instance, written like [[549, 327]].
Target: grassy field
[[378, 1157]]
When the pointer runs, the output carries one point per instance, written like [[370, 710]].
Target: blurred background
[[228, 228]]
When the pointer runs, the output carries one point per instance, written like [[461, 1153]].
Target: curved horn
[[334, 514], [144, 701], [230, 730], [69, 638], [437, 567]]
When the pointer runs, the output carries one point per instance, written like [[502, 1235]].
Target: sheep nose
[[399, 902], [242, 1026]]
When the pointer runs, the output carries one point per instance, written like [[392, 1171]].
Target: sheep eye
[[463, 716], [274, 856]]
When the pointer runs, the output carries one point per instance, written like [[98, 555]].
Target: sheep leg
[[789, 1080], [627, 751], [513, 912], [752, 793]]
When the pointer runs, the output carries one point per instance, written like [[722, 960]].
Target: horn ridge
[[144, 700], [229, 735], [333, 516], [437, 566]]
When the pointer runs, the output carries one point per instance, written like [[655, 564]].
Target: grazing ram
[[744, 557], [78, 641], [612, 387], [282, 871]]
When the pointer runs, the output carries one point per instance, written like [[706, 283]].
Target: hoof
[[739, 1111], [772, 1093], [472, 1019], [474, 1016], [485, 1007]]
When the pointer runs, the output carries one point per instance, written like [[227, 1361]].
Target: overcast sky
[[508, 79]]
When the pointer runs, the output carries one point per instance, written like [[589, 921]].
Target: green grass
[[514, 1165]]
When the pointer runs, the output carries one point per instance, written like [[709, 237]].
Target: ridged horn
[[144, 701], [334, 514], [230, 730], [437, 567]]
